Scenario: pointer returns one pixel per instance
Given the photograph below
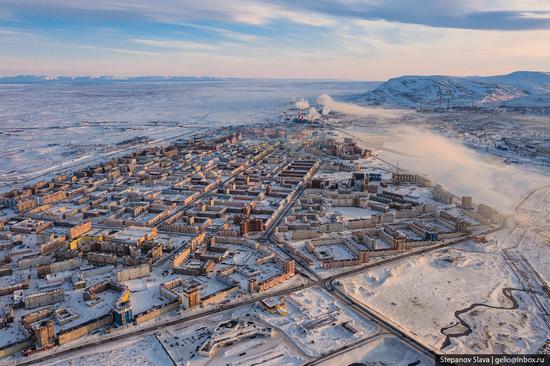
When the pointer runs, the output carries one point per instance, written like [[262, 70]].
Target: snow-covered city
[[283, 191]]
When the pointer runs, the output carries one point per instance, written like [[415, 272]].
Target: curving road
[[528, 195]]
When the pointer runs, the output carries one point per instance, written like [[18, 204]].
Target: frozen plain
[[45, 125]]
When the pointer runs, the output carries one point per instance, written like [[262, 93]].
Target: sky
[[327, 39]]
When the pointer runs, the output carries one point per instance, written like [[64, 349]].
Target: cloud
[[302, 104], [340, 39], [120, 50], [462, 14], [176, 44], [173, 11], [461, 170], [357, 110], [6, 15], [313, 114], [5, 32], [225, 33]]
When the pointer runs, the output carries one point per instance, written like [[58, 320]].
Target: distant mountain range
[[518, 89], [26, 79]]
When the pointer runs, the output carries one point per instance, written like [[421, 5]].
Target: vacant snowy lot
[[145, 351], [422, 294], [383, 350]]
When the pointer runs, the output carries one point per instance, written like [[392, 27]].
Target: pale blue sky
[[342, 39]]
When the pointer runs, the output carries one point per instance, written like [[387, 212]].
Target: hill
[[522, 88]]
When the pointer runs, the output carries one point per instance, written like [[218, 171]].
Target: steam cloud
[[313, 114], [357, 110], [461, 170], [302, 104]]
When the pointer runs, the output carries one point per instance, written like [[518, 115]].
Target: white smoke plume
[[357, 110], [302, 104], [462, 170], [313, 114]]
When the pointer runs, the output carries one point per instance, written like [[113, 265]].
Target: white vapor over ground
[[357, 110], [313, 114], [302, 104], [460, 169]]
